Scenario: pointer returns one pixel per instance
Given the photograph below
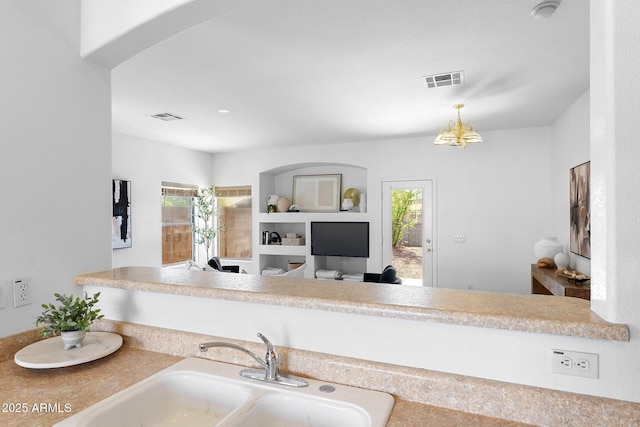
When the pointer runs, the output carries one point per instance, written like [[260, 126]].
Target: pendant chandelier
[[458, 134]]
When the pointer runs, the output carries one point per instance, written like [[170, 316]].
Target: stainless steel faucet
[[271, 364]]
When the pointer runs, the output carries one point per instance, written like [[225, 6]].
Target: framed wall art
[[579, 210], [121, 221], [317, 193]]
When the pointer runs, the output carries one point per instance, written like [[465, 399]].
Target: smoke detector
[[445, 79], [545, 9], [167, 117]]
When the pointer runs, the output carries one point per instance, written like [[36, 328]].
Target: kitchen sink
[[197, 392]]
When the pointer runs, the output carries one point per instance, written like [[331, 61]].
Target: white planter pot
[[72, 339], [547, 247]]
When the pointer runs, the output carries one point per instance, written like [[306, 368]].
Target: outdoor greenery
[[401, 200], [176, 201], [205, 227], [74, 314]]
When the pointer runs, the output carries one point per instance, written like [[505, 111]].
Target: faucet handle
[[271, 359], [266, 342]]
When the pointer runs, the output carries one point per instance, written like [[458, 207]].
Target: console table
[[545, 281]]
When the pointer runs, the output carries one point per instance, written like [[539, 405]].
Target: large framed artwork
[[580, 213], [317, 193], [121, 221]]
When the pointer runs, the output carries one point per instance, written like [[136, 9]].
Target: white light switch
[[458, 238]]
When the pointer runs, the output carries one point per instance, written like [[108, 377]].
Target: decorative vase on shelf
[[562, 260], [283, 204], [363, 203], [347, 204], [547, 247], [72, 339]]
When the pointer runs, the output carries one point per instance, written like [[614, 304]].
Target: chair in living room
[[215, 263], [388, 275]]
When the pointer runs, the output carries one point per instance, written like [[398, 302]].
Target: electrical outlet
[[21, 292], [574, 363], [3, 295]]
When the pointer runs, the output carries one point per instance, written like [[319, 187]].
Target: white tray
[[50, 352]]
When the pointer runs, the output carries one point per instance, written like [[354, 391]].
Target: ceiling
[[296, 72]]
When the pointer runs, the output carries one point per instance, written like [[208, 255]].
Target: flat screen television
[[348, 239]]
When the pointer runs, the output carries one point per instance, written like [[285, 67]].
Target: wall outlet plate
[[3, 295], [574, 363], [21, 292]]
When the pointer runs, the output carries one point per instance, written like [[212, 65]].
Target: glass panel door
[[408, 230]]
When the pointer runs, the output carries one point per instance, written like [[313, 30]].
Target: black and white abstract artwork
[[121, 222]]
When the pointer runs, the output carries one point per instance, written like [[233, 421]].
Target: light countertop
[[51, 395], [529, 313]]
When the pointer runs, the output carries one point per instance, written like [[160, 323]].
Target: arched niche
[[279, 180]]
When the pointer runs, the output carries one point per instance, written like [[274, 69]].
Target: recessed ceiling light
[[545, 9], [223, 111]]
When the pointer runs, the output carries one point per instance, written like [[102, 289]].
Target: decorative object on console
[[71, 319], [574, 276], [363, 202], [121, 221], [547, 247], [579, 210], [458, 134], [546, 263], [317, 193], [562, 260]]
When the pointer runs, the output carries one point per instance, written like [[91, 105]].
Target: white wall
[[55, 142], [615, 153], [146, 164], [490, 193]]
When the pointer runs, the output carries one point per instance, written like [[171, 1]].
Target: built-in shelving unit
[[280, 181]]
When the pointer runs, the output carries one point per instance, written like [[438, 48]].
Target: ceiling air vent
[[167, 117], [445, 79]]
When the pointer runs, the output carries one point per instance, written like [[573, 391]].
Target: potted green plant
[[205, 227], [72, 318]]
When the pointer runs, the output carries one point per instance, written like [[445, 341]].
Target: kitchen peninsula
[[347, 332]]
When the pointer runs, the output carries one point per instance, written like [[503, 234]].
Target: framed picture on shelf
[[317, 193], [579, 210]]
